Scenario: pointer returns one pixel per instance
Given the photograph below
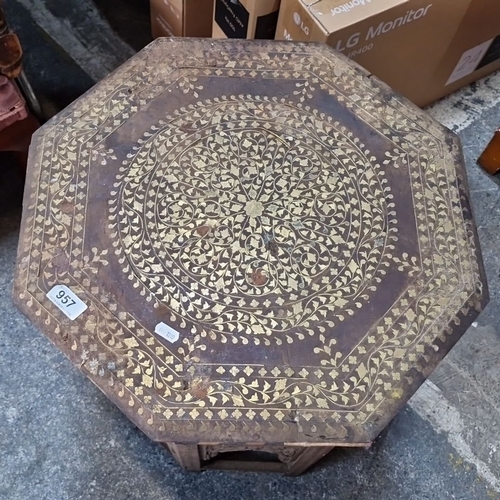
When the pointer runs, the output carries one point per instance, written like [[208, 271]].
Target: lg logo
[[298, 21]]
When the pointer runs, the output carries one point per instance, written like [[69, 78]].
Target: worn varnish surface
[[305, 231]]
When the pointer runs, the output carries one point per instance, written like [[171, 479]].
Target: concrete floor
[[60, 438]]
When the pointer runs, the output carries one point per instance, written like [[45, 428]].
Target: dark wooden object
[[11, 52], [490, 158], [274, 249], [17, 137]]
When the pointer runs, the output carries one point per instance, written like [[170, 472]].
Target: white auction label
[[167, 332], [469, 61], [67, 301]]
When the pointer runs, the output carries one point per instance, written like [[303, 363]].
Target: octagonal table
[[249, 246]]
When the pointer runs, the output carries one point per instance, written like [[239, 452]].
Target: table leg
[[306, 459], [187, 455]]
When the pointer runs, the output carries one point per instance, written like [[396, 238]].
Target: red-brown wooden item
[[249, 246]]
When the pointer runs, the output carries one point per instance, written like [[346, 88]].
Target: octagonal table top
[[249, 241]]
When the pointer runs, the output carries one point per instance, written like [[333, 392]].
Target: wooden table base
[[290, 460]]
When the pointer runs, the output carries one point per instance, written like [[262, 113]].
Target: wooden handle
[[490, 159]]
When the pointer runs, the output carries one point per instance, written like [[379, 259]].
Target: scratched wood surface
[[300, 237]]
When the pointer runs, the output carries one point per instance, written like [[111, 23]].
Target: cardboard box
[[424, 49], [181, 18], [245, 18]]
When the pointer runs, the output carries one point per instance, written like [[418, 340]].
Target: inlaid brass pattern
[[267, 221], [266, 205]]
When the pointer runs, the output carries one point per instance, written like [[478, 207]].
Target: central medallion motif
[[254, 218], [254, 208]]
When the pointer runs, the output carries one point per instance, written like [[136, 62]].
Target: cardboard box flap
[[334, 15], [190, 18]]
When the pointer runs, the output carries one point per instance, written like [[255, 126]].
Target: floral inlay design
[[267, 217], [269, 230]]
